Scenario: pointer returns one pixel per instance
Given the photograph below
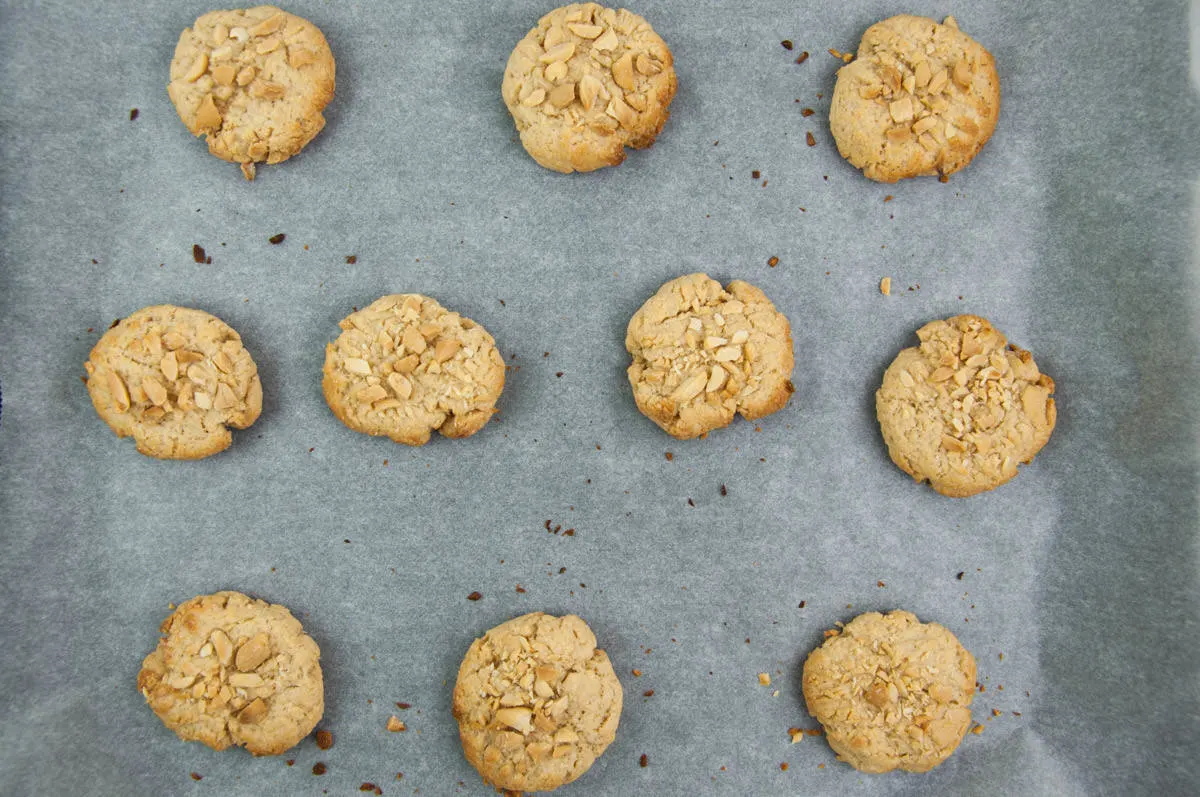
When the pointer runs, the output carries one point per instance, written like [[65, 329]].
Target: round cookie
[[919, 99], [405, 366], [587, 82], [702, 353], [174, 378], [254, 82], [962, 410], [891, 692], [536, 702], [231, 670]]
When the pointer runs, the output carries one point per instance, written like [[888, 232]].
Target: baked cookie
[[536, 702], [405, 366], [174, 378], [254, 82], [892, 692], [587, 82], [962, 409], [702, 353], [233, 670], [919, 99]]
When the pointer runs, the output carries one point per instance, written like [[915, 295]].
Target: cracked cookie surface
[[891, 692], [536, 702], [703, 353], [587, 82], [174, 379], [964, 408], [232, 670], [405, 366], [254, 82], [919, 98]]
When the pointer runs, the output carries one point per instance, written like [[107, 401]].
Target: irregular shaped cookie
[[891, 692], [962, 410], [702, 353], [919, 99], [587, 82], [536, 702], [254, 82], [234, 670], [174, 378], [405, 366]]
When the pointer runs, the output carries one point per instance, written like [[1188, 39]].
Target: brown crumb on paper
[[276, 239], [810, 139], [807, 111], [324, 739], [197, 776], [787, 44], [772, 261], [644, 761], [885, 286], [802, 57], [474, 596], [319, 768], [764, 678], [396, 725]]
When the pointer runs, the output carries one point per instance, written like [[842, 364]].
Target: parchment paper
[[1075, 586]]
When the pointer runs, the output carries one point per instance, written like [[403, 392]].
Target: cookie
[[232, 670], [405, 366], [919, 99], [587, 82], [253, 82], [702, 353], [175, 379], [964, 408], [536, 702], [891, 692]]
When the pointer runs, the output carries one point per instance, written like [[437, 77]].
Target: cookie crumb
[[290, 762], [885, 286], [277, 238], [796, 734], [319, 768], [371, 787], [670, 456], [960, 575], [977, 729], [197, 776], [784, 766], [199, 255], [648, 693], [636, 673], [787, 44], [807, 112], [324, 739], [802, 57], [691, 502], [396, 725], [810, 139], [351, 259], [404, 706], [772, 261], [133, 114], [474, 596], [724, 491], [880, 584], [644, 761], [802, 604], [764, 678]]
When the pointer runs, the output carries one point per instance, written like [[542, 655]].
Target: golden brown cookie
[[919, 99], [405, 366], [174, 378], [702, 353], [536, 702], [964, 408], [254, 82], [891, 692], [231, 670], [587, 82]]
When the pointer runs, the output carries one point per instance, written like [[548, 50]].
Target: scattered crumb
[[888, 198], [807, 111], [797, 735], [724, 491], [133, 114], [802, 604], [395, 725], [474, 596], [636, 673], [277, 238], [764, 678], [670, 456], [324, 739], [784, 766], [371, 787], [772, 261], [404, 706], [199, 255], [787, 44], [802, 57], [880, 584], [319, 768], [197, 776], [643, 761], [351, 259], [290, 762], [810, 139], [885, 286], [648, 693], [756, 174], [977, 729]]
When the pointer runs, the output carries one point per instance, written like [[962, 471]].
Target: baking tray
[[1075, 585]]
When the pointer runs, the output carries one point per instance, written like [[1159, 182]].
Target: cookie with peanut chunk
[[232, 670], [254, 82], [891, 692], [919, 98], [703, 353], [174, 379], [964, 408], [405, 366], [536, 702], [587, 82]]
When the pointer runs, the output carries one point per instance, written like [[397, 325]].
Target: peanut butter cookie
[[919, 99], [405, 366], [587, 82], [892, 692], [254, 82], [174, 378], [536, 702], [702, 353], [233, 670], [962, 409]]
